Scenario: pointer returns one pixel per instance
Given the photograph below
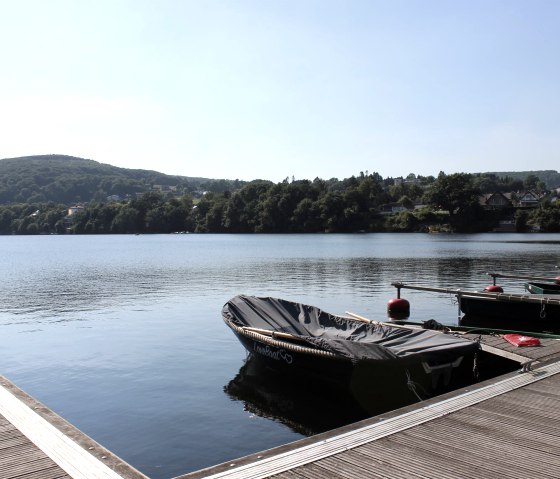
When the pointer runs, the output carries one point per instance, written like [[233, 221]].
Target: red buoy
[[398, 308], [494, 288]]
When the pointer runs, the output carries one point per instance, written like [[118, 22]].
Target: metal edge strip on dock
[[326, 447], [73, 458]]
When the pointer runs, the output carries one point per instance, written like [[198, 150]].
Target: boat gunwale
[[281, 343], [542, 288]]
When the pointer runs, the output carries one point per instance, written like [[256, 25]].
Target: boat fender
[[398, 308], [557, 280], [494, 288]]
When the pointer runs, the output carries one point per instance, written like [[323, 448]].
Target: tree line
[[356, 204]]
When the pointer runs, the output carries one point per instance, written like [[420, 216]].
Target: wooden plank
[[289, 475], [519, 441], [541, 402], [529, 438], [468, 454], [483, 437], [14, 441], [397, 460], [387, 468], [530, 423], [312, 471], [551, 355], [514, 409], [17, 469], [349, 469], [52, 473], [514, 356], [550, 390], [20, 453], [437, 463], [6, 426], [478, 463], [26, 448]]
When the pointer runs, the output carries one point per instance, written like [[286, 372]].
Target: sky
[[281, 89]]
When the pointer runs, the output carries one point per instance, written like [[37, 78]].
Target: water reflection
[[308, 406], [305, 406]]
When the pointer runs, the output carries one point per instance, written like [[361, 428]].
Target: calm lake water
[[122, 335]]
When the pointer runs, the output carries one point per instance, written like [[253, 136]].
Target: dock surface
[[549, 349], [505, 427], [20, 458]]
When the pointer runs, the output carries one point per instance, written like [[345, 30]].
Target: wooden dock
[[505, 427], [35, 443], [496, 345]]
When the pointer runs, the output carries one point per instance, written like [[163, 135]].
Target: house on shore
[[496, 201], [72, 212]]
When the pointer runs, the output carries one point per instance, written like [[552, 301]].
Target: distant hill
[[68, 179]]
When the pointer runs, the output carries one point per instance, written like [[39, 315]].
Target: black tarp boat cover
[[352, 339]]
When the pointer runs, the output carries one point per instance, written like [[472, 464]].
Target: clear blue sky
[[274, 89]]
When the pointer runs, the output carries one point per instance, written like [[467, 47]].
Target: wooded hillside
[[68, 179], [550, 178]]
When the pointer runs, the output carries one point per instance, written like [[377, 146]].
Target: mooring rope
[[413, 385], [543, 311]]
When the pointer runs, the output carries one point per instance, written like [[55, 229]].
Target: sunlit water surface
[[122, 335]]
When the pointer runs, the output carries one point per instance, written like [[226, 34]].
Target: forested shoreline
[[364, 203]]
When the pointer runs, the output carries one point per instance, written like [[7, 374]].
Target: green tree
[[403, 221], [6, 218], [406, 202], [521, 221], [307, 217], [547, 217], [455, 194], [530, 182], [127, 220]]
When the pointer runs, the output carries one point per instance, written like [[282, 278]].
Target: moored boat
[[359, 354], [528, 312], [534, 284], [514, 311], [534, 287]]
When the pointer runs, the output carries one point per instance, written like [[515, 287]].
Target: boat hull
[[519, 315], [368, 380]]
